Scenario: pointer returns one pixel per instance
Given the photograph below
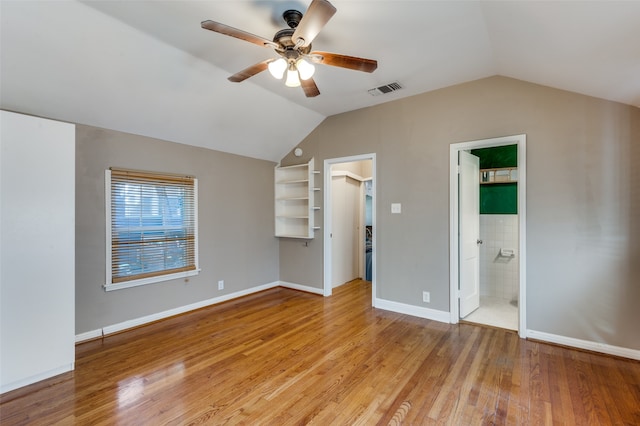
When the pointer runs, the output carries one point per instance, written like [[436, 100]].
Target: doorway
[[465, 277], [353, 177]]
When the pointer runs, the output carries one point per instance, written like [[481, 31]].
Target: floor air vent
[[387, 88]]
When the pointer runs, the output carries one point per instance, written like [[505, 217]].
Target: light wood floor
[[287, 357]]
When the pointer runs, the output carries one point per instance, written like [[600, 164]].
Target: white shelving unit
[[295, 200]]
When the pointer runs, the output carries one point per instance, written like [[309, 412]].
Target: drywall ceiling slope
[[147, 67], [588, 47], [70, 62], [584, 46], [424, 45]]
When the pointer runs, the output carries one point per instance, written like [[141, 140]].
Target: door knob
[[479, 241]]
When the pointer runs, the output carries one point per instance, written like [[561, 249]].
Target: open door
[[469, 226], [345, 234]]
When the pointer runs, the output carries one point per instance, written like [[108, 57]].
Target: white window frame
[[109, 285]]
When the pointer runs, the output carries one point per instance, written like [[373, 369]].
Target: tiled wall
[[498, 274]]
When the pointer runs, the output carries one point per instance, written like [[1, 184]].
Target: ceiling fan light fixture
[[305, 69], [293, 79], [277, 68]]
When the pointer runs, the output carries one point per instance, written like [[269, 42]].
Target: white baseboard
[[584, 344], [115, 328], [89, 335], [38, 377], [301, 287], [416, 311]]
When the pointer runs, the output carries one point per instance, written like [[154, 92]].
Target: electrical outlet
[[426, 297], [221, 285]]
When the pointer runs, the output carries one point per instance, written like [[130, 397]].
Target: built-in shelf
[[295, 201], [499, 175]]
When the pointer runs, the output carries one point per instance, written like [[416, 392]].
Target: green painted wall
[[498, 198]]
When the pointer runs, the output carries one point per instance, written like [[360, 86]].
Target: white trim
[[89, 335], [584, 344], [107, 206], [115, 328], [301, 287], [416, 311], [337, 173], [327, 250], [38, 377], [125, 325], [520, 141], [182, 309], [149, 280]]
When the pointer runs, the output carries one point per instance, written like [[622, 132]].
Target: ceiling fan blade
[[344, 61], [250, 71], [234, 32], [310, 88], [317, 16]]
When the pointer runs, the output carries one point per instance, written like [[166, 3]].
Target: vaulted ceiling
[[147, 67]]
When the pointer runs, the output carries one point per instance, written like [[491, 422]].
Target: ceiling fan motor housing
[[292, 17], [289, 49]]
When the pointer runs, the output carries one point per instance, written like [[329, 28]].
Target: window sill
[[150, 280]]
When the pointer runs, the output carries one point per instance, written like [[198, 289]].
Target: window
[[151, 227]]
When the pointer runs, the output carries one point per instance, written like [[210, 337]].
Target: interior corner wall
[[36, 249], [235, 225], [583, 199]]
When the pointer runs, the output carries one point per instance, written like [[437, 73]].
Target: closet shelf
[[295, 201], [498, 175], [286, 182], [291, 198]]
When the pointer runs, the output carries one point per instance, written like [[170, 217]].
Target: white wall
[[37, 254]]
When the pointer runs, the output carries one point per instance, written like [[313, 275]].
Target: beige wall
[[583, 199], [236, 225]]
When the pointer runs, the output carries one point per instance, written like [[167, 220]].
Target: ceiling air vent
[[387, 88]]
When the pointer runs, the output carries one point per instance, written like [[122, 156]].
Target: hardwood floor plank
[[285, 357]]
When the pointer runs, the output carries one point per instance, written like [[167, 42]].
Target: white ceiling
[[146, 67]]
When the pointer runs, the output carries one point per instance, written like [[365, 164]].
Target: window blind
[[153, 224]]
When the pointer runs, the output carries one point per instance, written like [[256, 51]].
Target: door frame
[[328, 250], [520, 141]]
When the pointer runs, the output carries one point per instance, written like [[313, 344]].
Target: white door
[[345, 213], [469, 217]]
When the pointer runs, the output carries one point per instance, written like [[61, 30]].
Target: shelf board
[[285, 182], [292, 198], [303, 237], [294, 166]]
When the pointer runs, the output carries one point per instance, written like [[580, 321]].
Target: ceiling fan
[[293, 44]]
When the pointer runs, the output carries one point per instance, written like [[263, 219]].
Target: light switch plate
[[396, 208]]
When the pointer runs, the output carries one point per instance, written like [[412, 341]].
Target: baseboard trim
[[36, 378], [301, 287], [89, 335], [584, 344], [416, 311], [137, 322]]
